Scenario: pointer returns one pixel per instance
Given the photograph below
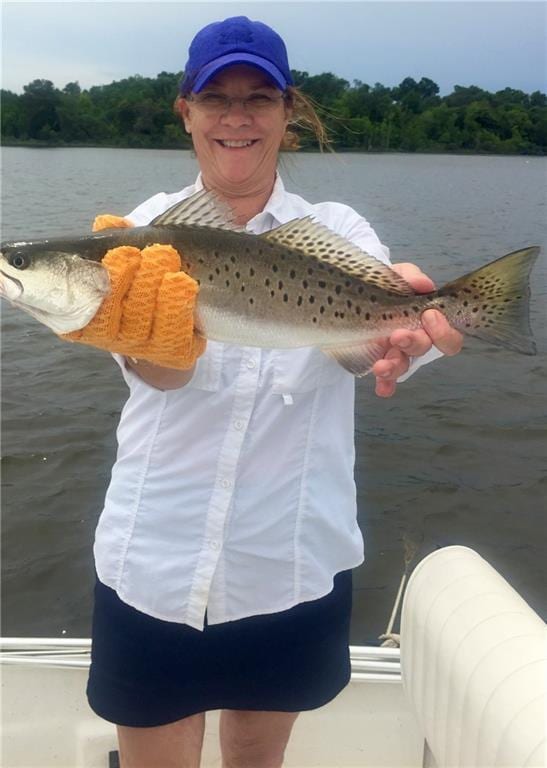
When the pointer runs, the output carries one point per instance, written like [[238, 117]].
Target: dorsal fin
[[317, 240], [203, 209]]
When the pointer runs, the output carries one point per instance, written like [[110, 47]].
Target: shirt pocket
[[208, 369], [304, 370]]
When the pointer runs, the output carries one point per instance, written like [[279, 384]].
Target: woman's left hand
[[404, 344]]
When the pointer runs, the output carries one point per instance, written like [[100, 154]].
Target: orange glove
[[108, 221], [149, 312]]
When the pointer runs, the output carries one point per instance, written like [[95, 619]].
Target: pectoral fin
[[358, 359]]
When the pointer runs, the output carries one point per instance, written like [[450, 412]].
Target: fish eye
[[18, 261]]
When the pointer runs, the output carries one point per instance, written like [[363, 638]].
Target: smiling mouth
[[236, 144]]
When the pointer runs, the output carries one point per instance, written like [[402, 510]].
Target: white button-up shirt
[[234, 495]]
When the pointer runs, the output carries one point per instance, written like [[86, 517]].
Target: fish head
[[61, 290]]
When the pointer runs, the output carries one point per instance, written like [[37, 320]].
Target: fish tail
[[492, 302]]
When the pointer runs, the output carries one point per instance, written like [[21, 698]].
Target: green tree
[[39, 102]]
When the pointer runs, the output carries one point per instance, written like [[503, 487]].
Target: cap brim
[[216, 66]]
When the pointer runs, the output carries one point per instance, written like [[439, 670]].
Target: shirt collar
[[272, 214]]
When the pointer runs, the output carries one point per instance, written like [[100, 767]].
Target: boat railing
[[368, 663]]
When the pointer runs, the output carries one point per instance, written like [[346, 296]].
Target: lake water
[[456, 457]]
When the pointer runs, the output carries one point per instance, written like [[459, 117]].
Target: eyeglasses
[[219, 104]]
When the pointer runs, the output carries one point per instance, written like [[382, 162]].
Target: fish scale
[[282, 297]]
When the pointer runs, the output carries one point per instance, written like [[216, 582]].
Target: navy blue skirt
[[147, 672]]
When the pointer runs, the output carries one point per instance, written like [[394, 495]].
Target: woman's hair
[[304, 118]]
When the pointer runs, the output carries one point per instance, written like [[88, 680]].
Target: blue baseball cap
[[236, 40]]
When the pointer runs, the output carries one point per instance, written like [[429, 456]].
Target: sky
[[493, 44]]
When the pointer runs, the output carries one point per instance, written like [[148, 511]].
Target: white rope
[[392, 640]]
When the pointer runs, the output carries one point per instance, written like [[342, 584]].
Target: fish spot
[[384, 316], [233, 259], [201, 261], [405, 312], [216, 254], [322, 284], [465, 303], [267, 282], [312, 299], [373, 298], [336, 314], [211, 278], [272, 294], [243, 289], [226, 268], [285, 297], [280, 285], [305, 283], [251, 272], [292, 274], [314, 319], [275, 267], [367, 315], [348, 283], [348, 303], [330, 299], [416, 309], [238, 275], [342, 315], [251, 300], [299, 301], [217, 270], [227, 283], [358, 310], [338, 289], [322, 309], [310, 271]]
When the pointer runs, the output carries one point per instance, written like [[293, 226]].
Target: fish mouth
[[6, 289], [236, 143]]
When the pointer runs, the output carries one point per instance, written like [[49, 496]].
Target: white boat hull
[[368, 724]]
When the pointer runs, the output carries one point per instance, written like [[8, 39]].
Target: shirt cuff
[[417, 362]]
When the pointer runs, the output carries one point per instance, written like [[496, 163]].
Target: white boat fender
[[474, 664]]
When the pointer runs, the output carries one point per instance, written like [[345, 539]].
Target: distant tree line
[[411, 117]]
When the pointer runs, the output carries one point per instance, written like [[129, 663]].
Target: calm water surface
[[457, 457]]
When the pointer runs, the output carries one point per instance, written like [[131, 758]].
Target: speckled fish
[[298, 285]]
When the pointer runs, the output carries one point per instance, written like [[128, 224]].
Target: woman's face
[[236, 147]]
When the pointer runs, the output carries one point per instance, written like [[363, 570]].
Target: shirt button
[[251, 364], [238, 424], [225, 483], [214, 545]]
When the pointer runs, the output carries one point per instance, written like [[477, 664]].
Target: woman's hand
[[404, 344]]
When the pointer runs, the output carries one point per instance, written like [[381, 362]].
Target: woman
[[225, 548]]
